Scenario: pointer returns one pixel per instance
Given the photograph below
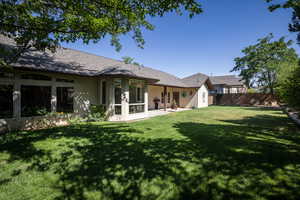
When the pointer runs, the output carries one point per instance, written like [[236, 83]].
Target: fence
[[253, 99]]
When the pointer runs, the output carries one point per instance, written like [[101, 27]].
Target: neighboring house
[[69, 81], [228, 84]]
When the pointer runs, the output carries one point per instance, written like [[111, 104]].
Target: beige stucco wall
[[189, 101], [202, 102], [86, 93], [155, 92]]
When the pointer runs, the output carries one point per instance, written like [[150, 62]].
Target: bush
[[289, 89], [252, 91], [97, 113]]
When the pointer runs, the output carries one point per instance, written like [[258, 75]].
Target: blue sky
[[207, 43]]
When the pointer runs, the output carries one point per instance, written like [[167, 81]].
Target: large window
[[136, 109], [65, 99], [6, 75], [35, 100], [136, 91], [118, 95], [6, 101], [118, 91], [118, 110], [162, 97], [103, 91], [136, 96]]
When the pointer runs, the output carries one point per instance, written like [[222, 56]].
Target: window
[[38, 77], [136, 91], [169, 97], [35, 100], [118, 110], [118, 91], [136, 96], [64, 80], [226, 90], [6, 101], [118, 95], [65, 98], [6, 75], [204, 97], [136, 109], [103, 99], [162, 98]]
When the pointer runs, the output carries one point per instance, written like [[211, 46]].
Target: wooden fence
[[252, 99]]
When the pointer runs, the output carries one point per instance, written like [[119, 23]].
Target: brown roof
[[230, 80], [70, 61], [197, 80]]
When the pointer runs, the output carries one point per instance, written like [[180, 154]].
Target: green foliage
[[261, 63], [252, 90], [44, 24], [295, 6], [97, 113], [289, 88], [216, 153], [130, 60], [34, 111], [127, 59]]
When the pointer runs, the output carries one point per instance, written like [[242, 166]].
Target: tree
[[130, 60], [127, 60], [289, 88], [44, 24], [294, 26], [261, 63]]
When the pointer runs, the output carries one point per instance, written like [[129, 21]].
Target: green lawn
[[210, 153]]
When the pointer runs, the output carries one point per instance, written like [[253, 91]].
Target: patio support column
[[110, 100], [17, 99], [165, 99], [125, 98], [53, 96], [146, 98]]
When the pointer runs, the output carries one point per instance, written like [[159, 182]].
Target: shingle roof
[[226, 80], [76, 62], [195, 80]]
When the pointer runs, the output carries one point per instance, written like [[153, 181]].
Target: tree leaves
[[261, 62], [294, 26], [44, 24]]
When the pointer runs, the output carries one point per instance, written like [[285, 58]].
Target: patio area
[[153, 113]]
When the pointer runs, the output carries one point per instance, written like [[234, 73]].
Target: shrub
[[252, 91], [289, 89], [97, 113]]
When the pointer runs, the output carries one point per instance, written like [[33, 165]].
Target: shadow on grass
[[215, 161]]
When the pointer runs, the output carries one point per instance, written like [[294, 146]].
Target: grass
[[210, 153]]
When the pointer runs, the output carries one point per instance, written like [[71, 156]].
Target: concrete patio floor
[[153, 113]]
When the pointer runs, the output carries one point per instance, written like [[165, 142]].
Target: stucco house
[[69, 81], [228, 84]]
